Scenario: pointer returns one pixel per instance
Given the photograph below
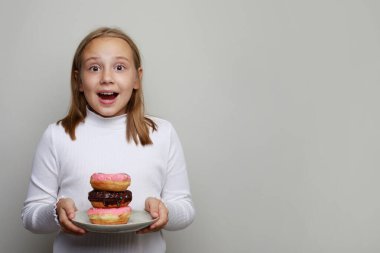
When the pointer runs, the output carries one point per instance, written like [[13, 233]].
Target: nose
[[106, 76]]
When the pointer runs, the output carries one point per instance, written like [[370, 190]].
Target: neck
[[107, 122]]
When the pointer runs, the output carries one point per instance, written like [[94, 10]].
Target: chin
[[107, 113]]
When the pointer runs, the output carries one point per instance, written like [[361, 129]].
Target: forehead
[[107, 46]]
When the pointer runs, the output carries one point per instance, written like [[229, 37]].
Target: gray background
[[276, 103]]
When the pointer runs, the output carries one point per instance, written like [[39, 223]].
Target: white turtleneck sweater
[[63, 167]]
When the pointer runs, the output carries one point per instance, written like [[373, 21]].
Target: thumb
[[152, 206], [70, 210]]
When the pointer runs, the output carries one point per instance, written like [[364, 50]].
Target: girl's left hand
[[156, 208]]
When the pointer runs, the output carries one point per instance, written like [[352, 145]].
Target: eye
[[94, 68], [120, 67]]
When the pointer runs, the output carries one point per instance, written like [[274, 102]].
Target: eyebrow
[[90, 58], [96, 58], [122, 58]]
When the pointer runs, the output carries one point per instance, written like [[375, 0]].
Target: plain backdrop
[[276, 104]]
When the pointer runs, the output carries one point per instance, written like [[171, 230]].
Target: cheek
[[88, 82], [80, 87], [136, 84]]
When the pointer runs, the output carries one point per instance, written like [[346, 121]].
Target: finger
[[143, 231], [70, 211], [147, 230], [163, 217], [160, 223], [66, 223], [69, 227], [152, 206]]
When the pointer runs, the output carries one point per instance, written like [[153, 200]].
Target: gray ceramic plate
[[137, 221]]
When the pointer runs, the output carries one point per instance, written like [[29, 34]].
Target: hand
[[66, 212], [156, 208]]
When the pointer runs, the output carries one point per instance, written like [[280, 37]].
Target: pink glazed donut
[[109, 216], [110, 182]]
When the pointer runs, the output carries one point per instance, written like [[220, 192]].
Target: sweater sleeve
[[176, 191], [38, 213]]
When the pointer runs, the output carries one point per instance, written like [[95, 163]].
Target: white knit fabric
[[63, 167]]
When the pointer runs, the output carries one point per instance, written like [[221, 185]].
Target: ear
[[78, 80], [139, 78]]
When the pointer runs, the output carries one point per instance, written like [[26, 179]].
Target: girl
[[106, 131]]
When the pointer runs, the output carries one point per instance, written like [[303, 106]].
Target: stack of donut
[[109, 199]]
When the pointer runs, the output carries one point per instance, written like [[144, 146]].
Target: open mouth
[[108, 95]]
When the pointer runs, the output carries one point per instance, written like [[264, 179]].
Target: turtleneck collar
[[103, 122]]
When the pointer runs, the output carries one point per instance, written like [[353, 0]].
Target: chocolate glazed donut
[[109, 199]]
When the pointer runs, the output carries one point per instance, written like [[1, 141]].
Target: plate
[[137, 221]]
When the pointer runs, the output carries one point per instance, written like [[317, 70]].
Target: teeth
[[107, 93]]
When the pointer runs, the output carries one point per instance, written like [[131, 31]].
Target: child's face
[[108, 75]]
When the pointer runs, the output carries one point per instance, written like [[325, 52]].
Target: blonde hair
[[137, 125]]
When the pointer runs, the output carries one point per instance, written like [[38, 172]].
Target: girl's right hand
[[66, 212]]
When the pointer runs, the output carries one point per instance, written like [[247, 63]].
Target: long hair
[[137, 126]]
